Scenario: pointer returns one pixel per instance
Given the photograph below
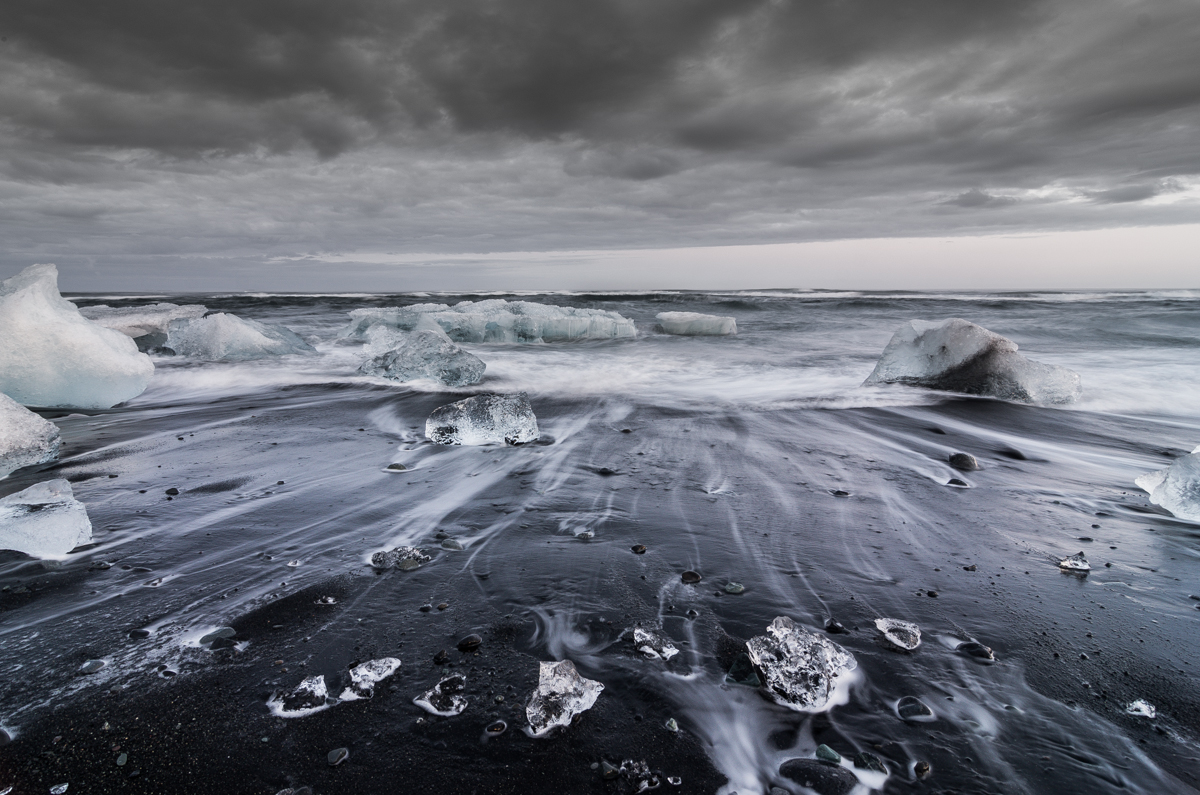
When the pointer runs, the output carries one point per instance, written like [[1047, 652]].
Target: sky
[[378, 145]]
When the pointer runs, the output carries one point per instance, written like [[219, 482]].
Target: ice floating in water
[[445, 699], [1077, 564], [561, 695], [800, 669], [406, 558], [364, 677], [53, 356], [44, 521], [311, 695], [1176, 488], [229, 338], [653, 645], [497, 320], [694, 324], [902, 635], [1142, 708], [427, 354], [25, 438], [146, 324], [484, 419], [958, 356]]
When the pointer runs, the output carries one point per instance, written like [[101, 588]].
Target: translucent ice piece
[[903, 635], [1075, 563], [653, 645], [425, 354], [228, 338], [445, 699], [561, 695], [365, 676], [44, 521], [138, 321], [25, 438], [1176, 488], [308, 697], [496, 320], [1142, 708], [484, 419], [800, 669], [694, 324], [50, 355]]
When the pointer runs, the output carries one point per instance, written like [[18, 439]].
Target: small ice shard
[[44, 521], [25, 438], [958, 356], [430, 355], [484, 419], [308, 697], [820, 777], [561, 695], [229, 338], [1076, 564], [497, 320], [147, 324], [694, 324], [405, 558], [653, 645], [901, 635], [365, 676], [53, 356], [445, 699], [1176, 488], [639, 775], [800, 669], [1142, 708]]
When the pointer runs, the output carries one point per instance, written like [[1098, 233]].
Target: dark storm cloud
[[241, 128]]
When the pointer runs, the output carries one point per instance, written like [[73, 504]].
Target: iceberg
[[229, 338], [497, 320], [561, 695], [958, 356], [44, 521], [364, 677], [800, 669], [484, 419], [694, 324], [146, 325], [1176, 488], [427, 354], [25, 438], [54, 356]]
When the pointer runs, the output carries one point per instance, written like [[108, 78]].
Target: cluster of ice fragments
[[146, 325], [423, 353], [25, 438], [694, 324], [800, 669], [53, 356], [312, 694], [958, 356], [1176, 488], [497, 320], [484, 419], [44, 521], [228, 338], [561, 695]]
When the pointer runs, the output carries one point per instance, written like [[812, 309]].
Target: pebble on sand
[[337, 756]]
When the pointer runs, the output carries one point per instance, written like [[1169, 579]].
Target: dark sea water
[[733, 448]]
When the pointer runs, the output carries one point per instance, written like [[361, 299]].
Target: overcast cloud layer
[[138, 133]]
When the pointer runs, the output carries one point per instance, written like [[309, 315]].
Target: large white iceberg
[[44, 521], [800, 669], [50, 355], [958, 356], [427, 354], [484, 419], [1176, 488], [561, 695], [25, 438], [141, 321], [229, 338], [694, 324], [497, 320]]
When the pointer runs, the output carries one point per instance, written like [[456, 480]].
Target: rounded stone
[[921, 769], [172, 491], [958, 482], [820, 777], [441, 658], [976, 650], [913, 708], [834, 627], [690, 577], [139, 634], [396, 466], [92, 666], [868, 761], [470, 643], [827, 754], [337, 756], [839, 493], [452, 544], [639, 549], [734, 588], [964, 462], [496, 728], [217, 634]]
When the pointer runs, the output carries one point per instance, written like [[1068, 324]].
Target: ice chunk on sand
[[653, 645], [427, 354], [958, 356], [1076, 564], [497, 320], [901, 635], [229, 338], [800, 669], [140, 321], [311, 695], [364, 677], [25, 438], [694, 324], [561, 695], [406, 558], [44, 520], [1142, 708], [484, 419], [53, 356], [1176, 488], [446, 698]]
